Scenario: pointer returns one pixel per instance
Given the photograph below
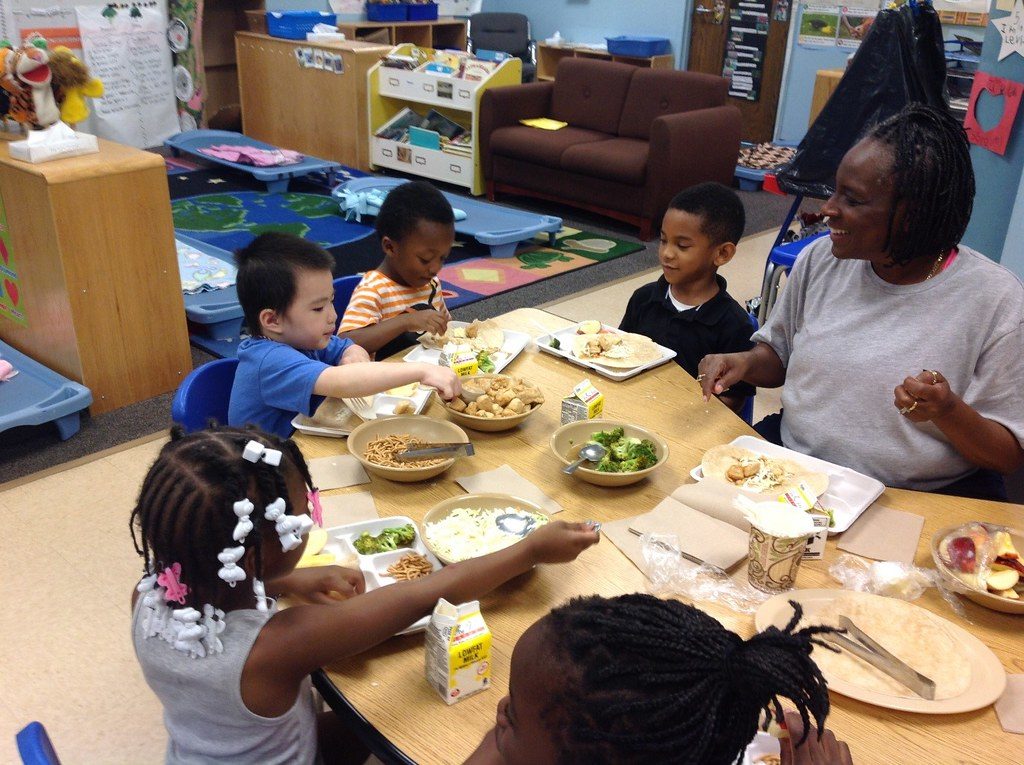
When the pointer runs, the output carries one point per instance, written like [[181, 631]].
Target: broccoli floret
[[631, 466], [607, 465], [607, 438], [642, 450], [623, 448]]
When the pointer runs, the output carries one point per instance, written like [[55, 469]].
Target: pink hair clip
[[176, 590], [316, 509]]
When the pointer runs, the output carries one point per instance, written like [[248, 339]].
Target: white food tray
[[383, 406], [849, 493], [565, 338], [374, 567], [514, 344]]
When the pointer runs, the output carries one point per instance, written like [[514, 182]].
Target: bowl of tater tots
[[493, 402]]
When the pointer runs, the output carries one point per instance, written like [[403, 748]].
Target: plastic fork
[[361, 407]]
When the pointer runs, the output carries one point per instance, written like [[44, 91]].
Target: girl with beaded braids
[[636, 679], [901, 349], [220, 525]]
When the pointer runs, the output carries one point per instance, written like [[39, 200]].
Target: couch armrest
[[501, 107], [689, 148]]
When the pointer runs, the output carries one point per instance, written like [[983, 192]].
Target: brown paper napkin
[[1010, 706], [700, 535], [343, 509], [505, 480], [337, 472], [884, 534]]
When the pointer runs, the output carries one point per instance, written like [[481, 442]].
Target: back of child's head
[[719, 208], [649, 680], [186, 512], [409, 203], [267, 269]]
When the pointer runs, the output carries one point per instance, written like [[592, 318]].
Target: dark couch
[[635, 138]]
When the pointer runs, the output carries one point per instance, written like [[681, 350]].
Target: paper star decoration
[[1012, 30]]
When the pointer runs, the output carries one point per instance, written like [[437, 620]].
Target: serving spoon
[[589, 453]]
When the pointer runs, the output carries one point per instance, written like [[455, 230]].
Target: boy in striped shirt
[[401, 299]]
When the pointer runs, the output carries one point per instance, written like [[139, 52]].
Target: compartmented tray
[[374, 567], [383, 406], [565, 338]]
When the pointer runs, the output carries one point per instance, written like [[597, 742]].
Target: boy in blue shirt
[[688, 309], [293, 358]]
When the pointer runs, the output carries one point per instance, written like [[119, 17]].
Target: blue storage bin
[[639, 46], [293, 25], [389, 12], [421, 11]]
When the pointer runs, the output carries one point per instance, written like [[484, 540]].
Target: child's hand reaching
[[321, 584], [561, 542], [355, 354], [445, 380], [425, 321]]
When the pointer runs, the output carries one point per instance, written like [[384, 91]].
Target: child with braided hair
[[636, 679], [225, 507]]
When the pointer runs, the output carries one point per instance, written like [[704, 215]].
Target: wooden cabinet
[[97, 271], [825, 83], [438, 34], [317, 112], [548, 57], [391, 91]]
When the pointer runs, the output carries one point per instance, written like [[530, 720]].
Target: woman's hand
[[925, 397], [320, 584], [561, 542], [826, 751], [355, 354], [717, 372]]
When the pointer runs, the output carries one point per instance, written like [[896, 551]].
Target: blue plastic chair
[[204, 395], [747, 412], [35, 747], [344, 286], [780, 261]]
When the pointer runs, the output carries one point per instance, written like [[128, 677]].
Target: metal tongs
[[435, 450], [879, 658]]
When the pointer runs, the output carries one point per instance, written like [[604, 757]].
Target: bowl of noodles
[[376, 442]]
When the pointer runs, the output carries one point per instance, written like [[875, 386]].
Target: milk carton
[[461, 359], [584, 403], [804, 499], [458, 650]]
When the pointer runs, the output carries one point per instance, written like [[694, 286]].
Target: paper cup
[[773, 561]]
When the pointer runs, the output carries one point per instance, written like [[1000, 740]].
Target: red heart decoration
[[3, 252], [11, 289]]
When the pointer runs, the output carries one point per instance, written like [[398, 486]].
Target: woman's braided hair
[[650, 680], [933, 181], [184, 512]]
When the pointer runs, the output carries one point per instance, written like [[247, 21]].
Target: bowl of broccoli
[[633, 452]]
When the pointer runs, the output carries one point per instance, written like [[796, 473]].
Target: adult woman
[[890, 299]]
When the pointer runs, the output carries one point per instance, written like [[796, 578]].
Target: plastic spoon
[[589, 453]]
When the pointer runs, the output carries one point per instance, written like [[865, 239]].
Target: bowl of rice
[[376, 442], [468, 526]]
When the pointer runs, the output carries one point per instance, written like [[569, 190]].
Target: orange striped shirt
[[377, 298]]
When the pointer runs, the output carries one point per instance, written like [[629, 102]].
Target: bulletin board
[[745, 47]]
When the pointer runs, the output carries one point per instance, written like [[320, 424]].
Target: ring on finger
[[909, 409], [935, 376], [700, 377]]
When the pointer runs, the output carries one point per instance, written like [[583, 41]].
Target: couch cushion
[[590, 93], [543, 147], [654, 92], [623, 160]]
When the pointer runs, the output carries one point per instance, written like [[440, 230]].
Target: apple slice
[[1008, 594], [962, 554], [1010, 563], [1004, 579], [1003, 545]]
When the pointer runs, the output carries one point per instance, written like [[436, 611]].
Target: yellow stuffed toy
[[73, 83]]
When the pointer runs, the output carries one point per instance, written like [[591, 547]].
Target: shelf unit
[[548, 57], [442, 34], [392, 90]]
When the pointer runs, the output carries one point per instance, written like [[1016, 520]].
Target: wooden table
[[386, 685]]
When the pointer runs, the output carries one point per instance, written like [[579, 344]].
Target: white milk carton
[[802, 498], [584, 403], [458, 650]]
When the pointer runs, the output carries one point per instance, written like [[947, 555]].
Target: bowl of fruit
[[981, 561]]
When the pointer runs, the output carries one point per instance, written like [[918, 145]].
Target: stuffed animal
[[72, 83], [43, 87]]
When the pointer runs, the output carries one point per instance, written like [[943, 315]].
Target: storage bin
[[421, 11], [638, 46], [388, 12], [293, 25]]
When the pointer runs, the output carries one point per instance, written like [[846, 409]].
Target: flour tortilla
[[910, 633], [332, 413], [480, 336], [641, 350], [719, 459]]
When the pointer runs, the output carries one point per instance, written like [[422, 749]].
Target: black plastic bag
[[900, 61]]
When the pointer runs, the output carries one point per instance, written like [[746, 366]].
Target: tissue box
[[56, 142]]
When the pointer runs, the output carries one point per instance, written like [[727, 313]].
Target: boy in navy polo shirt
[[688, 309]]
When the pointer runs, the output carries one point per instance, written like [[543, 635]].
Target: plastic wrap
[[891, 579], [669, 573]]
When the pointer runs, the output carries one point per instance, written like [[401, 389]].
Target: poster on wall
[[12, 298], [853, 25], [745, 46], [818, 25], [127, 49]]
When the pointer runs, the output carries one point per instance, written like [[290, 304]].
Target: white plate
[[565, 338], [849, 493], [374, 567], [988, 678], [383, 406], [514, 344]]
